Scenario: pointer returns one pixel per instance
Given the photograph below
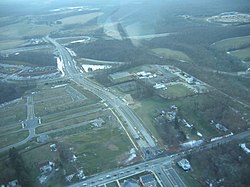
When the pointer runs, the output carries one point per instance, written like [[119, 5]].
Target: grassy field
[[150, 107], [100, 149], [187, 178], [9, 44], [8, 139], [80, 19], [21, 29], [243, 54], [171, 54], [76, 110], [64, 122], [12, 114], [112, 184], [232, 43], [177, 90]]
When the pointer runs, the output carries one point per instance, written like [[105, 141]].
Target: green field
[[99, 149], [8, 139], [187, 178], [171, 54], [175, 91], [151, 107], [80, 19], [112, 184], [12, 114], [232, 43], [64, 122], [10, 44], [243, 54]]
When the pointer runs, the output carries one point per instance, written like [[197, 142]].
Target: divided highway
[[134, 124]]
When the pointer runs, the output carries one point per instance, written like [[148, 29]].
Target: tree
[[21, 169]]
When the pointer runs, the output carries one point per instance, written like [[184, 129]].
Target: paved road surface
[[117, 104]]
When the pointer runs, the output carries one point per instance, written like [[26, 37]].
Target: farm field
[[171, 54], [175, 91], [231, 44]]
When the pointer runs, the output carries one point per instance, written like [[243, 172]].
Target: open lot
[[80, 19], [176, 90], [243, 54], [12, 114], [11, 138], [171, 54], [187, 109], [92, 145], [232, 43]]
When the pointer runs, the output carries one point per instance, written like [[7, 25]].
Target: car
[[137, 168], [85, 184], [108, 176]]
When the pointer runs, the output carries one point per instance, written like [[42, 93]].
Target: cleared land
[[80, 19], [8, 44], [171, 54], [232, 43], [92, 145], [243, 54], [175, 91], [8, 139], [188, 109]]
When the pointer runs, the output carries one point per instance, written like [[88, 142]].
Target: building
[[148, 181], [120, 77], [42, 179], [47, 167], [130, 183], [13, 183], [184, 164]]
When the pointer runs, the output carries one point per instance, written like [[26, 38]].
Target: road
[[117, 174], [133, 123], [22, 49]]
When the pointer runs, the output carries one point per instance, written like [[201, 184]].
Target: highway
[[134, 124], [158, 166]]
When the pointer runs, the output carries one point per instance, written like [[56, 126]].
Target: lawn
[[64, 122], [80, 19], [12, 138], [12, 114], [187, 178], [187, 106], [175, 91], [10, 44], [99, 149], [171, 54], [243, 54], [112, 184], [232, 43], [69, 112]]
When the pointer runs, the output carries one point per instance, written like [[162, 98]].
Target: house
[[47, 167], [42, 179], [184, 164], [244, 147], [148, 181], [130, 183], [13, 183], [43, 138], [53, 147], [221, 127]]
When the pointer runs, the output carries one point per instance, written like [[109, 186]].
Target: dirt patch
[[112, 147]]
